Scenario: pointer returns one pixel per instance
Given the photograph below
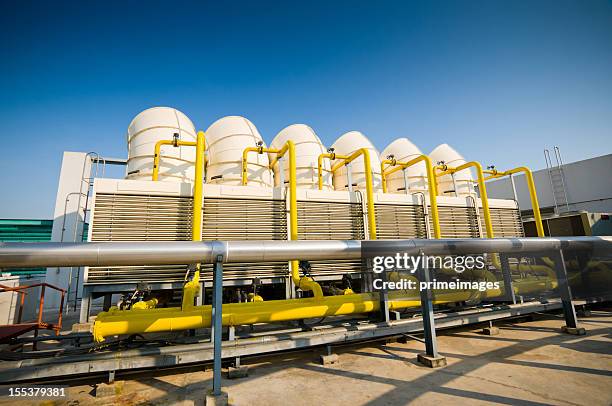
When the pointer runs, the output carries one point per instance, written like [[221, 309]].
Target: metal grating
[[395, 221], [457, 222], [331, 221], [506, 222]]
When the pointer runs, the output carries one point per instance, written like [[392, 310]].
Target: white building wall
[[588, 184], [65, 218]]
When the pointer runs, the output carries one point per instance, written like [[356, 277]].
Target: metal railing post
[[217, 318]]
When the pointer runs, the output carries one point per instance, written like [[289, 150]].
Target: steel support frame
[[508, 287], [217, 325], [565, 291], [429, 327]]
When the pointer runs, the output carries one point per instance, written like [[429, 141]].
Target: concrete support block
[[329, 359], [82, 327], [432, 362], [219, 400], [490, 331], [103, 390], [237, 372], [577, 331]]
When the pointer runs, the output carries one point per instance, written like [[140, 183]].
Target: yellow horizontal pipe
[[481, 188], [331, 156], [167, 320], [533, 195], [431, 180], [157, 154]]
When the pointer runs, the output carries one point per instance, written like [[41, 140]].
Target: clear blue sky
[[498, 80]]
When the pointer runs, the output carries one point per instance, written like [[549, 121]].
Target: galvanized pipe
[[14, 255]]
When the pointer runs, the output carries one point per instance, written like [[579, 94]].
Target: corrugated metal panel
[[395, 221], [331, 221]]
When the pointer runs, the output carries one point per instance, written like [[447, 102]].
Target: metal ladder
[[82, 215], [557, 180]]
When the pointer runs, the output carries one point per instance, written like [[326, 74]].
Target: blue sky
[[498, 80]]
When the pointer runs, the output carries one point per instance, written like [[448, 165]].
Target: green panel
[[26, 231]]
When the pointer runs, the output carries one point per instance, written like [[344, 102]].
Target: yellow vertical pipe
[[433, 195], [304, 283], [482, 188], [369, 184], [192, 287], [534, 198], [431, 180], [533, 195], [369, 193]]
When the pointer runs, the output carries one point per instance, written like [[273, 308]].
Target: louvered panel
[[136, 274], [331, 221], [141, 218], [122, 217], [395, 221], [457, 222], [506, 222], [245, 219]]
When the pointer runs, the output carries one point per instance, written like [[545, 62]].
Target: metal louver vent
[[331, 221], [141, 218], [118, 217], [506, 222], [457, 222], [245, 219], [394, 221]]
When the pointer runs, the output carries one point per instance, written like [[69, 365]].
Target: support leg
[[431, 358], [571, 322], [216, 396]]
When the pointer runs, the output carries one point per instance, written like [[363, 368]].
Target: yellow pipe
[[331, 156], [482, 189], [302, 282], [532, 193], [431, 180], [157, 155], [369, 187], [118, 322], [192, 288]]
